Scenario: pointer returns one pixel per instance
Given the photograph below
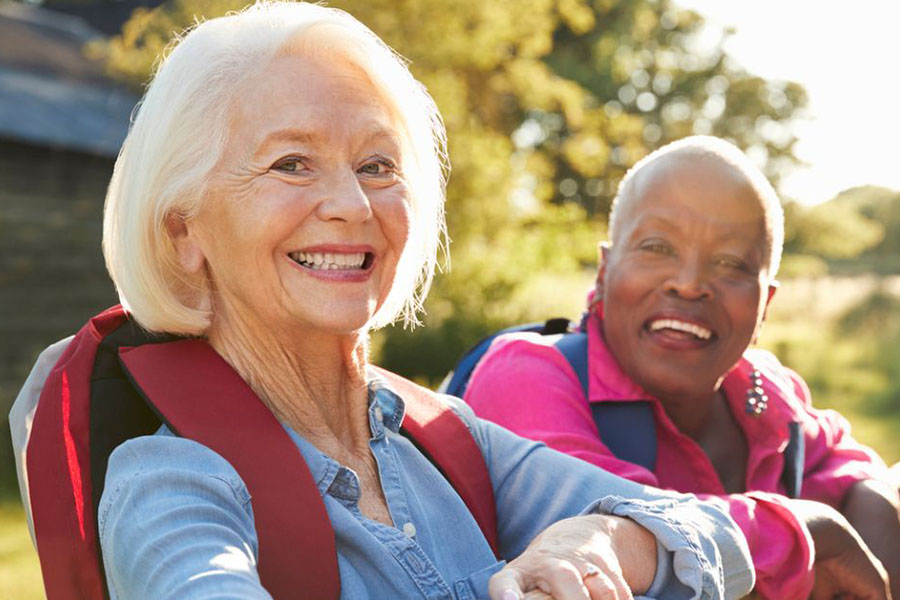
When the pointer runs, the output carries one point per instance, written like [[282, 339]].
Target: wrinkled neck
[[313, 382]]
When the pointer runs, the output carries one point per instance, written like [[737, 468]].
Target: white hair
[[181, 130], [703, 146]]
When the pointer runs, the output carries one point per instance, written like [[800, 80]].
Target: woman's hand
[[845, 567], [599, 557]]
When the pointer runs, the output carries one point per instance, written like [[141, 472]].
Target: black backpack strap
[[794, 459], [628, 429]]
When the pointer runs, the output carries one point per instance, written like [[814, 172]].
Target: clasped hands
[[603, 557]]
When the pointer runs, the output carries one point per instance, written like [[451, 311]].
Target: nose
[[344, 199], [690, 281]]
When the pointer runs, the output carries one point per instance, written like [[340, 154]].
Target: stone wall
[[52, 276]]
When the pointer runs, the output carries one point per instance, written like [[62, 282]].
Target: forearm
[[845, 566], [633, 545], [871, 506]]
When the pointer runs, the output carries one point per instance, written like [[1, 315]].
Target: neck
[[691, 413], [313, 382]]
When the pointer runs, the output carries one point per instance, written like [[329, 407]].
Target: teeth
[[329, 261], [700, 332]]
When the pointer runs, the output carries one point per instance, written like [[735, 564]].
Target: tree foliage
[[832, 230], [547, 103], [858, 230]]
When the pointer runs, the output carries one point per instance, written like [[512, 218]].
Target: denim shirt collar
[[386, 411], [385, 401]]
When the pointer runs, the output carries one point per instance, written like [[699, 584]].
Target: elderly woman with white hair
[[279, 195], [695, 239]]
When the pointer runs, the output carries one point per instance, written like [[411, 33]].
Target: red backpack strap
[[59, 469], [202, 398], [449, 444]]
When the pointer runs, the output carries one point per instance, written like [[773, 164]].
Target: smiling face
[[306, 214], [684, 286]]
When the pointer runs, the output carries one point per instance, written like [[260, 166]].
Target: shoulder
[[519, 358], [166, 464]]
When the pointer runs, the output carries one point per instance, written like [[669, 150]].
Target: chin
[[343, 326]]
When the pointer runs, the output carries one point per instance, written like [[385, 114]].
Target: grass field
[[20, 574]]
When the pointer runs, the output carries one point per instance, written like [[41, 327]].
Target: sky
[[847, 56]]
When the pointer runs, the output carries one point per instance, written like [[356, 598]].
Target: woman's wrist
[[634, 547]]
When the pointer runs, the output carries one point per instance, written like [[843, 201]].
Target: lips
[[680, 326], [335, 262], [332, 261]]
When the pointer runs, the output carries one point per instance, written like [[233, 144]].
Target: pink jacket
[[525, 384]]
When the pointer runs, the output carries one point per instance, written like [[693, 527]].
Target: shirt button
[[409, 530], [379, 415]]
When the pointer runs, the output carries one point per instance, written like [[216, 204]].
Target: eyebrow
[[290, 135], [312, 137], [675, 225]]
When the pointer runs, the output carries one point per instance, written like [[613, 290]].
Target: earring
[[757, 400]]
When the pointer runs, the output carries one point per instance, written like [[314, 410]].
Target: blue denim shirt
[[176, 521]]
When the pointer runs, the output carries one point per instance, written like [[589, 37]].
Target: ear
[[603, 251], [187, 246], [773, 287]]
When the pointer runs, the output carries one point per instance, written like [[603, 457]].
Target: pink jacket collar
[[607, 381]]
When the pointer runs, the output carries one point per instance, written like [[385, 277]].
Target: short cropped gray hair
[[713, 148], [181, 130]]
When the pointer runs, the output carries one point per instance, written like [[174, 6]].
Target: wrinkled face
[[307, 213], [685, 284]]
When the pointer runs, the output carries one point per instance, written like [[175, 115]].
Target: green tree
[[856, 231], [650, 81], [831, 230], [546, 103], [881, 205]]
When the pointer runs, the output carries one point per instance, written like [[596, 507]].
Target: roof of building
[[51, 94]]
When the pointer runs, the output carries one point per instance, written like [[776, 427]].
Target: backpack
[[627, 428], [115, 381]]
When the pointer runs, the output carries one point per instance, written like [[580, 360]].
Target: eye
[[656, 246], [289, 164], [378, 166], [732, 263]]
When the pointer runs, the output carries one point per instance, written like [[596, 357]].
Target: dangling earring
[[757, 400]]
